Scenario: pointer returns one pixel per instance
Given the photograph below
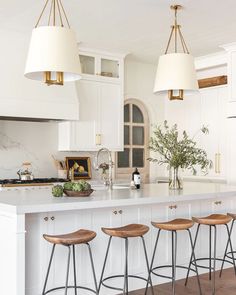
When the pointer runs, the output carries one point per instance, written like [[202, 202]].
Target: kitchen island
[[26, 214]]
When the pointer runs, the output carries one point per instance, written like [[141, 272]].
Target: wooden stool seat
[[232, 215], [81, 236], [127, 231], [213, 219], [176, 224]]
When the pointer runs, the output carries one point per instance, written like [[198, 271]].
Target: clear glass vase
[[175, 179]]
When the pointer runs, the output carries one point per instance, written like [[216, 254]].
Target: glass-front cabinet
[[100, 67]]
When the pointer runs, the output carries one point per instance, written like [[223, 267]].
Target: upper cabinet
[[99, 67], [208, 108], [101, 100]]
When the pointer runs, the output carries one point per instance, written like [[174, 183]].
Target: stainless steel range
[[14, 183]]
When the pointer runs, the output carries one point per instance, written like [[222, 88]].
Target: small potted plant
[[178, 152]]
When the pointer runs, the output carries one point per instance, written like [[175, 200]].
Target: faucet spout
[[108, 183]]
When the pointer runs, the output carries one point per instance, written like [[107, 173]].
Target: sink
[[102, 187]]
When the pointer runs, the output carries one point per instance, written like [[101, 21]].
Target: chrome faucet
[[109, 182]]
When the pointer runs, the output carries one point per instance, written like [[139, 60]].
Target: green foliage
[[68, 186], [57, 191], [79, 186], [177, 151]]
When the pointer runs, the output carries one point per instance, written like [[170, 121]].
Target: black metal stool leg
[[214, 263], [93, 268], [153, 257], [191, 258], [67, 270], [104, 264], [126, 287], [74, 266], [174, 255], [146, 258], [48, 270], [194, 257], [229, 242], [210, 252]]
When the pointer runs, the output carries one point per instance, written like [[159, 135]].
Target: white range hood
[[24, 99]]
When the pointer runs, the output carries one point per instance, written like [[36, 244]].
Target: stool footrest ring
[[194, 262], [231, 253], [120, 276], [168, 266], [69, 287]]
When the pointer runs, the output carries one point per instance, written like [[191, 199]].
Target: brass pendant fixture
[[176, 72], [53, 55]]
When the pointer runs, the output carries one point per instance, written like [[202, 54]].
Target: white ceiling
[[139, 27]]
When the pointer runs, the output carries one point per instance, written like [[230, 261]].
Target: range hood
[[27, 100]]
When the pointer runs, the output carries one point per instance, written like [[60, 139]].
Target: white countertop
[[41, 200]]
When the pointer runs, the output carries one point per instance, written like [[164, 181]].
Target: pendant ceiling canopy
[[53, 55], [176, 71]]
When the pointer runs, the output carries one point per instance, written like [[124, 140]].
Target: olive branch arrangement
[[178, 151]]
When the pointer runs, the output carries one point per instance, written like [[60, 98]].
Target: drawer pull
[[218, 202], [115, 212], [45, 218], [120, 211], [173, 207], [52, 218]]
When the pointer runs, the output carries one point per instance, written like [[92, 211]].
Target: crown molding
[[211, 60]]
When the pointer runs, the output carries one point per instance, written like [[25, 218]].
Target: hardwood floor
[[226, 285]]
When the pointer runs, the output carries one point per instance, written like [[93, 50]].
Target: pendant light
[[53, 55], [176, 71]]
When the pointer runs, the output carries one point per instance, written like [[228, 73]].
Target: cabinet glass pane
[[126, 135], [123, 159], [137, 115], [138, 158], [87, 64], [126, 113], [138, 135], [109, 68]]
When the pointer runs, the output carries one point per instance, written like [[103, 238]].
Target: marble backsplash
[[32, 142]]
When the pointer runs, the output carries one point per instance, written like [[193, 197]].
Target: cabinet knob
[[120, 211], [114, 212], [45, 218], [52, 218], [173, 207]]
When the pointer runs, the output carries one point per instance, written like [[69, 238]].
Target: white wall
[[139, 82], [33, 142]]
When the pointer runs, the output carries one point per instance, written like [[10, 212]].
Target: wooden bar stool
[[173, 226], [125, 232], [212, 221], [229, 254], [81, 236]]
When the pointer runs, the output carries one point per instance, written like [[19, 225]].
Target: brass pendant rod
[[176, 30], [41, 13], [50, 14], [54, 12], [182, 37], [59, 12], [182, 41], [64, 12], [168, 44]]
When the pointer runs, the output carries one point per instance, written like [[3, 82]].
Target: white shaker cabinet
[[208, 108], [101, 101], [101, 117], [213, 112]]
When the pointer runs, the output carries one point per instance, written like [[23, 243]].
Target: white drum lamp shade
[[176, 71], [53, 49]]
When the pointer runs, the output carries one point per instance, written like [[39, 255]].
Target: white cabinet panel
[[208, 108], [101, 119]]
